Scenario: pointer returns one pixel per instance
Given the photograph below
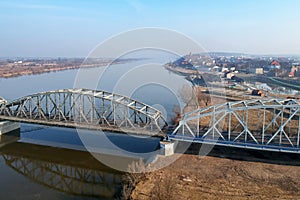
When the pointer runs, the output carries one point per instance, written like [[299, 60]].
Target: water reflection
[[72, 172], [13, 136]]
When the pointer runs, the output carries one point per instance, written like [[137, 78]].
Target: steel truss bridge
[[84, 108], [269, 124], [264, 124]]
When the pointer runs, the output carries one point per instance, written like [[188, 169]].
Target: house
[[229, 75], [216, 69], [294, 70], [273, 65], [224, 69], [259, 70], [257, 93]]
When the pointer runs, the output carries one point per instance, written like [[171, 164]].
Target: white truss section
[[269, 124], [85, 108]]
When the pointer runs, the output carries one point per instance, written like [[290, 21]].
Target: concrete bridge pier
[[167, 148], [9, 132], [8, 126]]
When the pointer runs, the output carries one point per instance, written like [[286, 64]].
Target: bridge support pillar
[[167, 148], [8, 126]]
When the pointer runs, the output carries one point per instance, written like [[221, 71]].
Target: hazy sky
[[75, 27]]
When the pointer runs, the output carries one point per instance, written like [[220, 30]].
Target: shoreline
[[9, 69], [41, 70]]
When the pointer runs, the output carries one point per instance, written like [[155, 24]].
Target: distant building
[[216, 68], [294, 70], [259, 70], [18, 62], [230, 75], [232, 69], [225, 69], [273, 65], [257, 93]]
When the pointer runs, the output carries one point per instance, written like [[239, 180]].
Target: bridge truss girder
[[84, 108], [269, 124]]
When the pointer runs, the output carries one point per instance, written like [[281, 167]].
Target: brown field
[[194, 177]]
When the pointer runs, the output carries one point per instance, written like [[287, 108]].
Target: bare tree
[[203, 99], [137, 172], [194, 97], [186, 94], [177, 111], [164, 188]]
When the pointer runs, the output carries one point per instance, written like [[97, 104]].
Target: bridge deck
[[275, 148]]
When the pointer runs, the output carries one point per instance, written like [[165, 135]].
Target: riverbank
[[10, 69], [195, 177]]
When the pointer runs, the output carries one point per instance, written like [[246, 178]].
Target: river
[[44, 162]]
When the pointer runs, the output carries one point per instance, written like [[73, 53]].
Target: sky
[[72, 28]]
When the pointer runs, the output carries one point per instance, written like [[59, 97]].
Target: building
[[229, 75], [294, 70], [216, 69], [273, 65], [225, 69], [259, 70], [257, 93]]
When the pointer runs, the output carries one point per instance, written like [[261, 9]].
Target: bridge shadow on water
[[244, 154], [76, 173]]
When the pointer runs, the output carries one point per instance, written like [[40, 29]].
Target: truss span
[[84, 108], [2, 100], [270, 124]]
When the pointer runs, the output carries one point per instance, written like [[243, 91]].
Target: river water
[[51, 163]]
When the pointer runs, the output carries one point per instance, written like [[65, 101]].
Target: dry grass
[[192, 177]]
